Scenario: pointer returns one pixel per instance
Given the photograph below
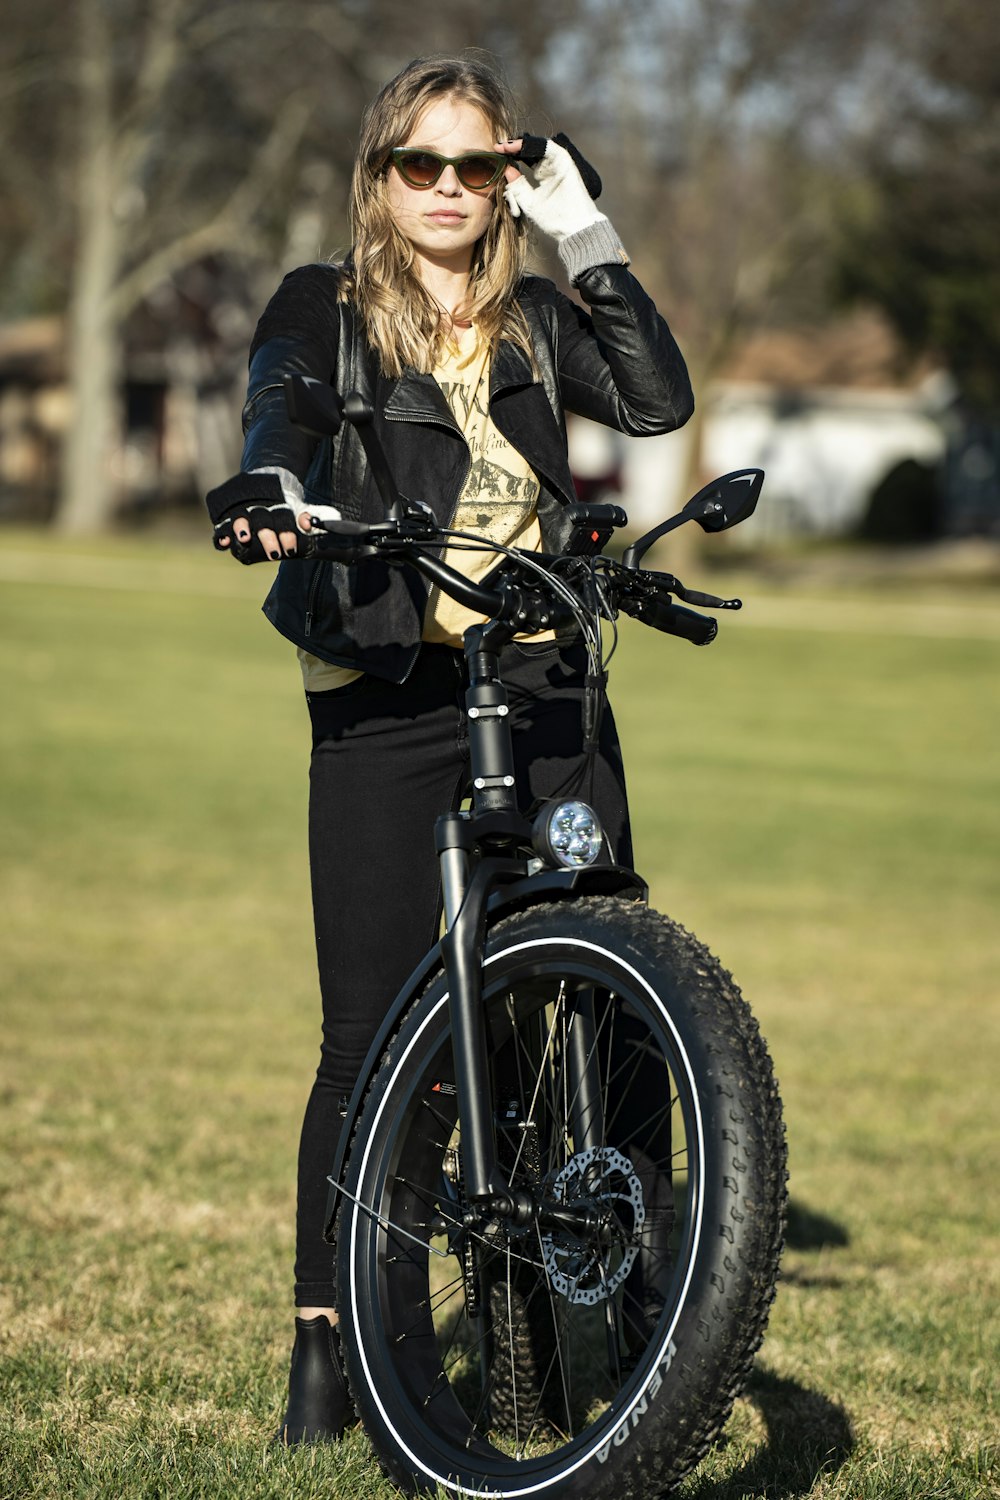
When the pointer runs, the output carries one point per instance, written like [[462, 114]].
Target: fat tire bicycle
[[557, 1202]]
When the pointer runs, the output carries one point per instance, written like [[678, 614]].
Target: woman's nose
[[448, 182]]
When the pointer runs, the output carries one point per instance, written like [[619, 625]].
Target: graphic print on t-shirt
[[500, 496], [495, 501], [498, 501]]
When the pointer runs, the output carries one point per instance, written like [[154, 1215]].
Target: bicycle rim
[[500, 1359]]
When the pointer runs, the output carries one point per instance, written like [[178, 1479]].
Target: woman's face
[[443, 222]]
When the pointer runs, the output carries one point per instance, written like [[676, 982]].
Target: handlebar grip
[[674, 619]]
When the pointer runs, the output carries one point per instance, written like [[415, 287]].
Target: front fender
[[532, 890]]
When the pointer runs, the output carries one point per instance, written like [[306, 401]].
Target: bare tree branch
[[328, 22], [227, 229], [159, 61]]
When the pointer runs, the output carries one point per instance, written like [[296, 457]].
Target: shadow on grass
[[807, 1435], [809, 1230]]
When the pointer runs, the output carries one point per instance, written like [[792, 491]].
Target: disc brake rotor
[[582, 1272]]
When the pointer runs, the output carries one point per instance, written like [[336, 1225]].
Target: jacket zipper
[[251, 404], [313, 589]]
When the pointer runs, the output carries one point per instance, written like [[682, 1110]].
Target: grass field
[[817, 797]]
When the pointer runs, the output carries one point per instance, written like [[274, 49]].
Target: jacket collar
[[417, 397], [510, 367]]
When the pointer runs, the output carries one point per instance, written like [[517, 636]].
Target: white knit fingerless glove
[[552, 195]]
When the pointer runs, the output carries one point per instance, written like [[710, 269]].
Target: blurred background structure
[[809, 188]]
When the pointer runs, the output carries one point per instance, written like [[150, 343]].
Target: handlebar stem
[[491, 750]]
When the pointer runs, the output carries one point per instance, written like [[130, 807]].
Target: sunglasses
[[475, 169]]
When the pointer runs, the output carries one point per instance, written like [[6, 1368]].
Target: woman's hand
[[557, 189], [512, 149], [262, 516], [250, 541]]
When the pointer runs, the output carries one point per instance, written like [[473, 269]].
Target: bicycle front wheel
[[598, 1347]]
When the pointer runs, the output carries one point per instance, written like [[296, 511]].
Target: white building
[[826, 414]]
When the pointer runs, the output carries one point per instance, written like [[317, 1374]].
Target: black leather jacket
[[620, 367]]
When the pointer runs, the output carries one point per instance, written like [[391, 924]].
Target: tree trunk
[[679, 552], [88, 494]]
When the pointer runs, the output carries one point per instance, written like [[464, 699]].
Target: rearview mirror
[[726, 501], [313, 405], [721, 504]]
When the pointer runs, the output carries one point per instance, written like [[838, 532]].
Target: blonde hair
[[404, 323]]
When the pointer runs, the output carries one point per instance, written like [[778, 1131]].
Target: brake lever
[[707, 601], [655, 582], [417, 521]]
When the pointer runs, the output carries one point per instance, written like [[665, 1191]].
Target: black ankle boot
[[319, 1407]]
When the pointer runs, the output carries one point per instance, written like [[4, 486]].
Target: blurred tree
[[149, 136], [33, 217], [919, 231], [187, 119], [718, 125], [723, 118], [144, 136]]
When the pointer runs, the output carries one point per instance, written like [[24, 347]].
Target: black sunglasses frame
[[399, 153]]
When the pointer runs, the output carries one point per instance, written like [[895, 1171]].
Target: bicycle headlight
[[567, 834]]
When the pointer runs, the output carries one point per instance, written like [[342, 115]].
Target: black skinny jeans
[[386, 760]]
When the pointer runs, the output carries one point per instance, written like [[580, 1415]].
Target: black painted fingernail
[[274, 555]]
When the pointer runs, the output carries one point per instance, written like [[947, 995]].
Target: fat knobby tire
[[673, 1404]]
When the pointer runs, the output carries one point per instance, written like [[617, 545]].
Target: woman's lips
[[445, 216]]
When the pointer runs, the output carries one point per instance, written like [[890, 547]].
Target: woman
[[470, 366]]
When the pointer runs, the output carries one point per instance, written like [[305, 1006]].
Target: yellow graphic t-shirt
[[500, 496], [498, 501]]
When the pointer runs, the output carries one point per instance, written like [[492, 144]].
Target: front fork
[[465, 901], [478, 851]]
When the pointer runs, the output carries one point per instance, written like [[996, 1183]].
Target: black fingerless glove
[[257, 499]]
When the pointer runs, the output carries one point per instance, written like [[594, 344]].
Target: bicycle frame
[[482, 876], [540, 1089]]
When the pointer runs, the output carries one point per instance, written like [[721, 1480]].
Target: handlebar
[[529, 595], [517, 600]]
